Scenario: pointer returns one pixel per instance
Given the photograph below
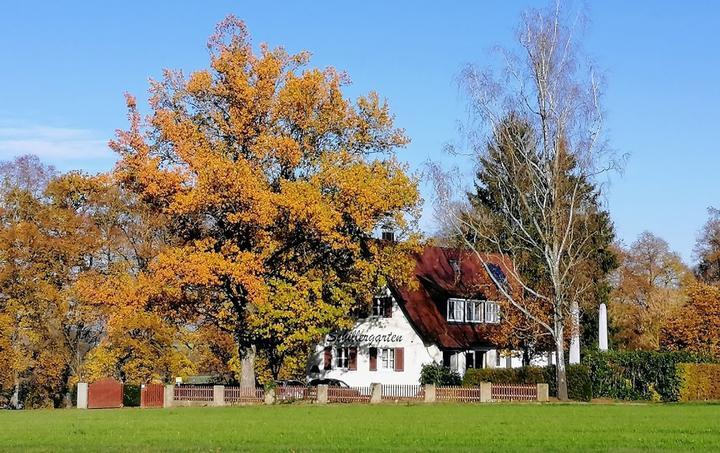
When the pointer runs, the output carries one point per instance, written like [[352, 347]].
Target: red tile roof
[[437, 280]]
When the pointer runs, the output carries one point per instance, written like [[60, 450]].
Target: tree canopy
[[272, 184]]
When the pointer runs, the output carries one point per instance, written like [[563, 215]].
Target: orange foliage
[[697, 326], [272, 184]]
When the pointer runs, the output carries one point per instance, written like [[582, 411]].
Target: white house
[[447, 316]]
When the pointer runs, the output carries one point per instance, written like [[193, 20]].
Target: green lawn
[[499, 427]]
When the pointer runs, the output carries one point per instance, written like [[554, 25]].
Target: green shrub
[[131, 395], [434, 373], [637, 375], [578, 378], [525, 375], [699, 381]]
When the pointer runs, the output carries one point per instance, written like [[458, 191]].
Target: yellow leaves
[[200, 82], [198, 265], [139, 347], [230, 191], [271, 185], [698, 329]]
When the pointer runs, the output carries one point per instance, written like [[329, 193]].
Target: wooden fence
[[108, 393], [349, 395], [515, 392], [295, 393], [396, 392], [458, 394], [236, 395], [152, 395], [193, 393]]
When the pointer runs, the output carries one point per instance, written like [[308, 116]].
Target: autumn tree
[[272, 184], [696, 328], [648, 290], [707, 249], [592, 286], [135, 339], [547, 184], [42, 248]]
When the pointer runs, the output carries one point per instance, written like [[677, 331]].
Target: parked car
[[329, 382], [290, 383]]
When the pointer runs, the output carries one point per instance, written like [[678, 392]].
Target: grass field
[[506, 427]]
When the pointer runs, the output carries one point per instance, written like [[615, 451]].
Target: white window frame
[[456, 310], [379, 304], [478, 312], [342, 357], [492, 312], [485, 311], [386, 358]]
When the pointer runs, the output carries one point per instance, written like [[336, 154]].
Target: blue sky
[[66, 65]]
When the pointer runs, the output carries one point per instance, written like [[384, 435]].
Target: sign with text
[[358, 338]]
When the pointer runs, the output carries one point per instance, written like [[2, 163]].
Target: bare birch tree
[[545, 185]]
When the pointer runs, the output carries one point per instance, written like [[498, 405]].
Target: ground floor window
[[475, 359], [387, 359], [342, 357]]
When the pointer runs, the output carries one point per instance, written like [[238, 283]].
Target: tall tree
[[648, 291], [707, 249], [43, 244], [272, 184], [546, 186], [592, 285]]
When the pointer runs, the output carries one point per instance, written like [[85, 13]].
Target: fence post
[[82, 395], [430, 393], [375, 393], [270, 396], [322, 394], [169, 395], [485, 392], [218, 395], [543, 392]]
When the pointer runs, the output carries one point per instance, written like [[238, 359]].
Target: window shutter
[[387, 302], [352, 359], [327, 362], [399, 359], [373, 359]]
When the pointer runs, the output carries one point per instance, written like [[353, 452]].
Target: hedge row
[[638, 375], [623, 375], [578, 378], [699, 381]]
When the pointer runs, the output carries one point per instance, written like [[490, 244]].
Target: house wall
[[393, 332], [377, 332]]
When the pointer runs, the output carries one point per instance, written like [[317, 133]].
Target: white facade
[[379, 333]]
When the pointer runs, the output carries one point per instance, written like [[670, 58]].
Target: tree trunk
[[247, 367], [560, 376], [15, 398], [526, 356]]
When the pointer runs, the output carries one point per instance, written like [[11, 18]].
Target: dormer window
[[455, 309], [382, 307], [388, 235], [473, 311], [455, 265]]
